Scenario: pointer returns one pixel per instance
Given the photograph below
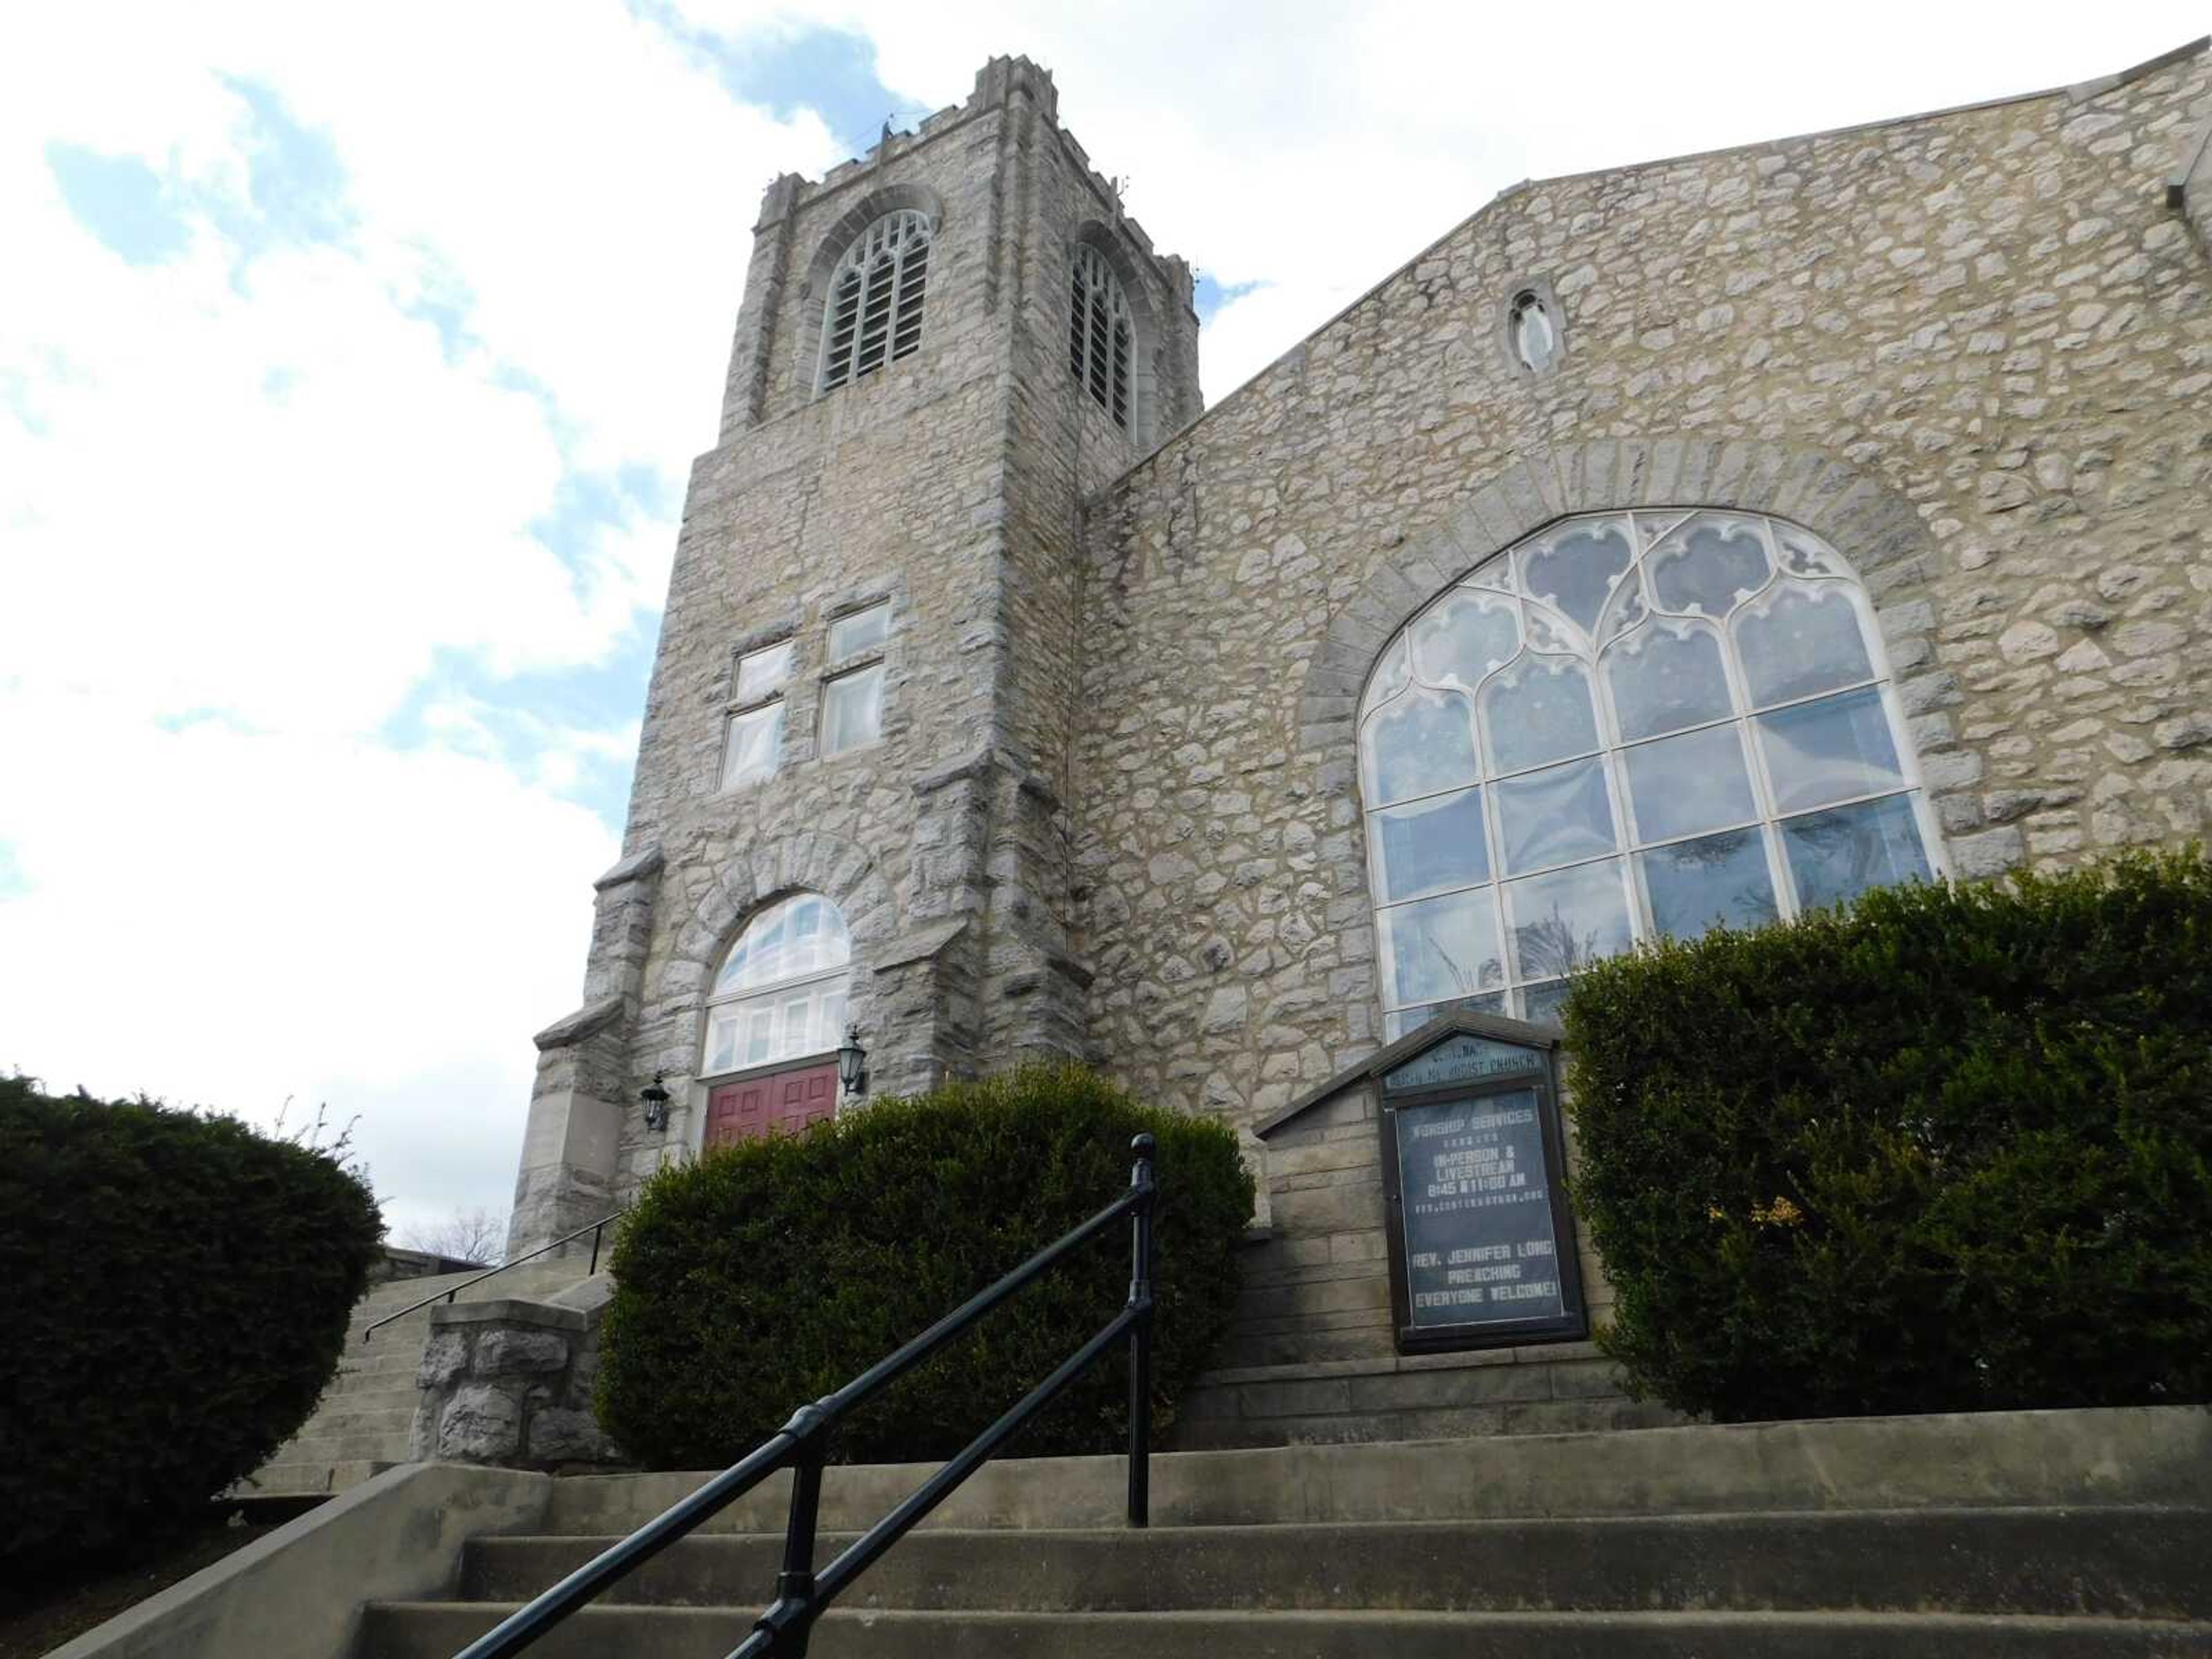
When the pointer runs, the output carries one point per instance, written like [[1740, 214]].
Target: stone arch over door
[[1876, 529], [674, 1020]]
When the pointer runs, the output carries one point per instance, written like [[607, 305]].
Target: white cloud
[[231, 918], [1315, 146], [253, 501]]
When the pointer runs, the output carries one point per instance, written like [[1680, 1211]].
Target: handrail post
[[596, 1231], [790, 1621], [1140, 1333]]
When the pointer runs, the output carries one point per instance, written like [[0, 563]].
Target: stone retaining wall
[[508, 1383]]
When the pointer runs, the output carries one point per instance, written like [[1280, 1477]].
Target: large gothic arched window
[[781, 990], [874, 314], [1100, 335], [1628, 724]]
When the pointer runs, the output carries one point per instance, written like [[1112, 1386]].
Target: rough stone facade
[[1116, 808], [950, 483], [508, 1384]]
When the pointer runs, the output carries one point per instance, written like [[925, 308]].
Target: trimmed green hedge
[[175, 1291], [1949, 1151], [765, 1275]]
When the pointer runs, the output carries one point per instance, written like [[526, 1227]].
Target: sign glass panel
[[1481, 1244]]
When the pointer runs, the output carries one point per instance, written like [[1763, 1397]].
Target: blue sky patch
[[296, 183], [14, 884], [121, 200], [520, 716], [829, 71], [1211, 295]]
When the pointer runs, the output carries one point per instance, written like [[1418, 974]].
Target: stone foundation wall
[[509, 1384]]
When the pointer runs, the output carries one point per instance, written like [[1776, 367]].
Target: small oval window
[[1536, 340]]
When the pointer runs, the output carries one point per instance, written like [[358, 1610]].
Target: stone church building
[[1707, 539]]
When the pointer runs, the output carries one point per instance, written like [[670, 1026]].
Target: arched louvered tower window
[[874, 310], [1100, 337]]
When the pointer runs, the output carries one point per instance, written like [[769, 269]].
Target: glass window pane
[[1555, 816], [1709, 565], [721, 1042], [1567, 918], [1396, 1025], [1666, 676], [829, 1019], [853, 710], [1679, 786], [1429, 846], [1538, 710], [1724, 879], [1465, 637], [1440, 949], [756, 743], [1829, 750], [1802, 640], [1391, 677], [760, 1028], [1421, 745], [1540, 1004], [1835, 856], [1574, 571], [760, 672], [864, 630], [1531, 333], [797, 1024]]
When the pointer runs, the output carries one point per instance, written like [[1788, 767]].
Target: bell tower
[[865, 686]]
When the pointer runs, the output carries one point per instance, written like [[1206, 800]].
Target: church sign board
[[1482, 1242]]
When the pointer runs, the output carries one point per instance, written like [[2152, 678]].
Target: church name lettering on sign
[[1471, 1141]]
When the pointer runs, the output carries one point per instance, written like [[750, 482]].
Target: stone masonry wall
[[948, 484], [509, 1384], [1973, 351]]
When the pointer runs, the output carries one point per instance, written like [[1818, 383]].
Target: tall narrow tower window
[[1099, 333], [874, 310]]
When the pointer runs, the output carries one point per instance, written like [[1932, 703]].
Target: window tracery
[[1100, 335], [782, 991], [1629, 725], [874, 309]]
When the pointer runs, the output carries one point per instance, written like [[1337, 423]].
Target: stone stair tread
[[1841, 1464], [416, 1630], [2125, 1561]]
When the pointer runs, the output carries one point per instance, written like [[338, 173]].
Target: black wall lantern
[[654, 1099], [853, 1063]]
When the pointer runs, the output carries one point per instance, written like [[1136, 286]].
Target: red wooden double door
[[779, 1103]]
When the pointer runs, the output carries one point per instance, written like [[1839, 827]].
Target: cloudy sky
[[351, 359]]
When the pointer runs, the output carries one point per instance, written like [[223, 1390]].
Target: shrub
[[765, 1275], [175, 1292], [1945, 1151]]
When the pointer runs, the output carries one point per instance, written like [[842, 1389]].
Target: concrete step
[[1982, 1460], [436, 1630], [387, 1366], [364, 1398], [2128, 1563], [354, 1420], [278, 1478], [377, 1446]]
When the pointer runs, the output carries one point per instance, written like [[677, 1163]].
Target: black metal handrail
[[595, 1227], [803, 1445]]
